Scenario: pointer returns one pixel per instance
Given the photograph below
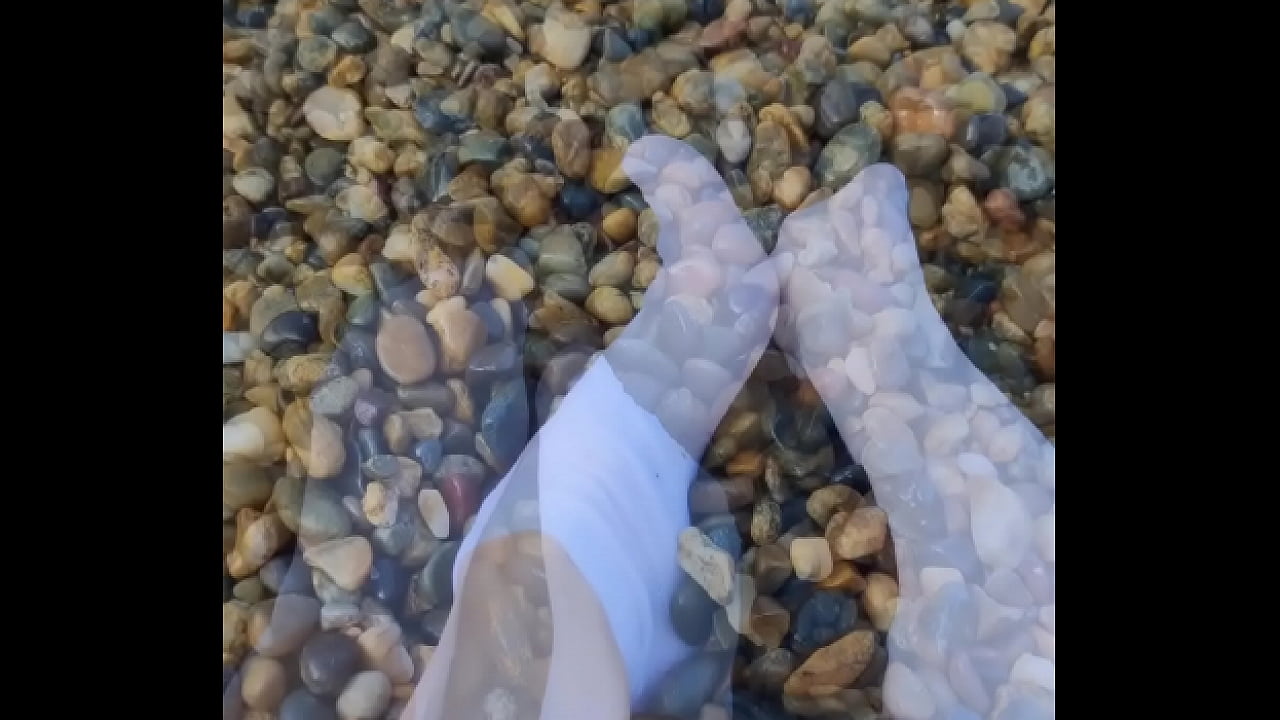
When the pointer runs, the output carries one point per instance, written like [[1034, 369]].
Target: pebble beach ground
[[427, 234]]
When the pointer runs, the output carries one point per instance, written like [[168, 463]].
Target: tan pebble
[[620, 225], [792, 188], [613, 270], [380, 504], [844, 576], [610, 305], [508, 280], [833, 667], [871, 49], [434, 512], [767, 622], [859, 533], [346, 561], [263, 683], [881, 600], [254, 436], [811, 558], [825, 501], [372, 154]]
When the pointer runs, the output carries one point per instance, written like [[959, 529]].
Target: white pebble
[[1034, 669], [946, 476], [857, 365], [993, 617], [933, 578], [955, 514], [903, 294], [889, 367], [1046, 643], [1005, 443], [905, 258], [902, 404], [1048, 617], [999, 524], [894, 322], [986, 394], [905, 694], [1046, 537], [943, 396], [1049, 466], [984, 424], [955, 30], [945, 434], [976, 466]]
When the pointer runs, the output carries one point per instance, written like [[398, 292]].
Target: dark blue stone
[[1013, 96], [692, 612], [492, 363], [639, 38], [722, 530], [430, 19], [688, 685], [797, 10], [793, 594], [978, 287], [793, 512], [827, 616], [325, 19], [612, 45], [254, 16], [493, 327], [373, 406], [985, 131], [434, 585], [371, 443], [705, 11], [353, 37], [289, 333], [428, 112], [428, 453], [388, 582], [264, 221], [358, 345], [853, 475], [579, 201], [505, 422], [363, 312], [457, 438], [327, 661]]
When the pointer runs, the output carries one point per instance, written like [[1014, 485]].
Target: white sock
[[613, 490]]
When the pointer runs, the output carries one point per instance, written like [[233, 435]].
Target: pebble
[[262, 683], [881, 600], [811, 558], [334, 113], [508, 280], [691, 612], [824, 617], [347, 560], [365, 697], [833, 667], [859, 533], [709, 565], [302, 705], [567, 39], [327, 662], [851, 149]]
